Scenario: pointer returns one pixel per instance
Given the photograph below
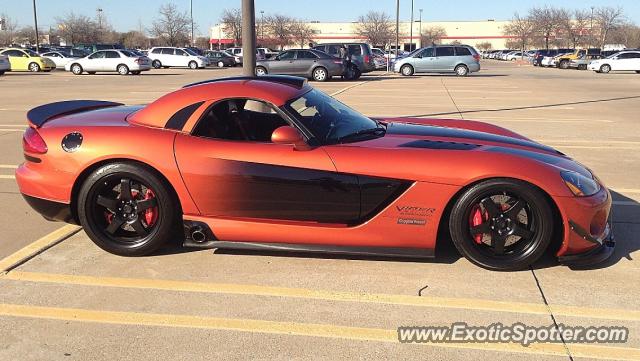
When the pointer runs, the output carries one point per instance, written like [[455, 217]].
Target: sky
[[126, 15]]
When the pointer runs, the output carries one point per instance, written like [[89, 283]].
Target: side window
[[156, 51], [444, 51], [306, 55], [15, 53], [167, 51], [461, 51], [240, 120], [287, 55], [179, 119], [180, 52], [355, 49], [112, 54], [334, 50], [635, 55], [97, 55], [427, 53]]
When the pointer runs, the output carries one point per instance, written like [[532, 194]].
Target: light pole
[[411, 29], [35, 21], [191, 9], [420, 28], [262, 27], [397, 27], [591, 29], [248, 38]]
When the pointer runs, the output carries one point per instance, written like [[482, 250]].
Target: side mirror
[[289, 135]]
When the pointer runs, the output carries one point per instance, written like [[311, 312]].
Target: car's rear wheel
[[34, 67], [127, 210], [564, 64], [220, 64], [605, 68], [261, 70], [502, 224], [461, 70], [193, 65], [122, 69], [156, 64], [406, 70], [76, 69], [582, 67], [320, 74]]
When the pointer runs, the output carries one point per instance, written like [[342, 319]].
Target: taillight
[[32, 142], [476, 56], [367, 58]]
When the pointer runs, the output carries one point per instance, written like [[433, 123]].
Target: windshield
[[332, 122], [31, 52], [191, 52]]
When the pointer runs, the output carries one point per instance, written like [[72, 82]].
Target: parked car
[[379, 58], [458, 59], [514, 55], [260, 52], [166, 56], [274, 164], [268, 53], [309, 63], [621, 61], [91, 48], [61, 58], [361, 55], [27, 60], [583, 62], [121, 61], [563, 61], [220, 58], [5, 65]]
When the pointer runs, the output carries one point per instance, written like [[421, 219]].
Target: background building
[[466, 32]]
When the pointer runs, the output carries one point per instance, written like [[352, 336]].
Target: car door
[[180, 58], [167, 57], [305, 61], [283, 63], [445, 59], [232, 174], [111, 60], [18, 59], [94, 61], [424, 61]]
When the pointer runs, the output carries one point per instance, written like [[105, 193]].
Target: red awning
[[222, 41]]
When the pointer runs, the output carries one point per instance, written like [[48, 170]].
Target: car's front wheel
[[406, 70], [502, 224], [193, 65], [320, 74], [605, 68], [76, 69], [260, 71], [127, 209], [156, 64], [220, 64]]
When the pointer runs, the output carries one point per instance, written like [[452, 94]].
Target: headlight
[[580, 185]]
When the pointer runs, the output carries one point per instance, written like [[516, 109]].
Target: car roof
[[276, 90]]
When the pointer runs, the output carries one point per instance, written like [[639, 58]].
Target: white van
[[166, 56]]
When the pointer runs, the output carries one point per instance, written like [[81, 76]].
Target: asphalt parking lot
[[74, 301]]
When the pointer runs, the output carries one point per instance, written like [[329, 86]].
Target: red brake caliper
[[476, 220], [151, 214]]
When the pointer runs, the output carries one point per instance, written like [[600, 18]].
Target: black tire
[[637, 72], [91, 72], [461, 70], [136, 72], [605, 68], [115, 221], [582, 67], [1, 72], [406, 70], [122, 69], [512, 234], [564, 64], [193, 65], [320, 74], [261, 70], [33, 67], [76, 69], [156, 64]]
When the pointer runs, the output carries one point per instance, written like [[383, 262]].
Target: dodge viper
[[270, 163]]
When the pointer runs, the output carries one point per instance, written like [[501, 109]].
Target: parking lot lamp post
[[193, 41], [420, 28], [397, 27], [35, 21], [262, 27], [411, 29], [248, 38], [591, 29]]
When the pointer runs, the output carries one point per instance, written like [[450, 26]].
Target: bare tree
[[581, 21], [134, 39], [432, 35], [74, 29], [608, 18], [9, 27], [26, 35], [485, 45], [302, 33], [279, 27], [520, 29], [202, 42], [232, 24], [627, 34], [547, 21], [172, 27], [376, 27]]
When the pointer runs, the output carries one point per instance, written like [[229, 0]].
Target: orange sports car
[[272, 163]]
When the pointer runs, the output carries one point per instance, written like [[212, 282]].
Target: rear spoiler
[[40, 115]]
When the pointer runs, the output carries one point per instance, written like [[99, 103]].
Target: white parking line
[[2, 176], [8, 166]]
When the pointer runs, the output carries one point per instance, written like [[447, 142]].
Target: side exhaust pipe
[[198, 235]]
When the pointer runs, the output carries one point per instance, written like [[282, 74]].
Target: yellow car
[[27, 60]]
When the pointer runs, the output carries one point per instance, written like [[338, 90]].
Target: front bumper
[[595, 255]]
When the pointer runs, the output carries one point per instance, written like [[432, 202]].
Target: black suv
[[361, 54]]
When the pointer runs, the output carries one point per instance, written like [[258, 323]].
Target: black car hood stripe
[[444, 132]]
